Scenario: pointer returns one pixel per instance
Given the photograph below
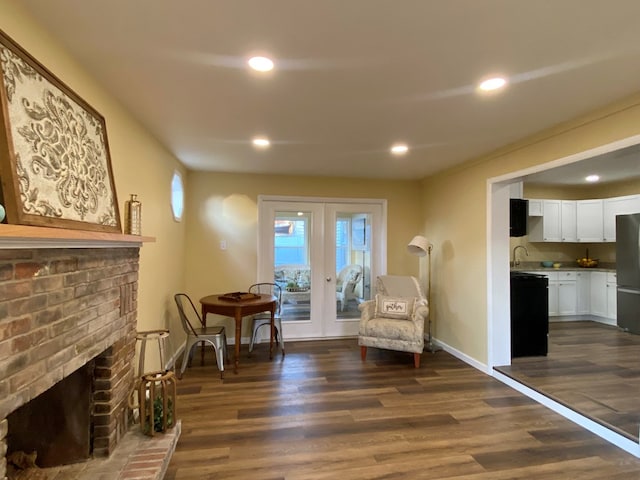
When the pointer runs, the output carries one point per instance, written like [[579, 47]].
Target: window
[[291, 242], [343, 225], [177, 196]]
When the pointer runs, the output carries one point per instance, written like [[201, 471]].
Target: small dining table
[[239, 308]]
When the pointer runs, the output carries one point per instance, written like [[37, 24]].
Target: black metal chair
[[215, 336], [262, 319]]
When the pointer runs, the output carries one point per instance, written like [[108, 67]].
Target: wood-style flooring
[[320, 413], [593, 369]]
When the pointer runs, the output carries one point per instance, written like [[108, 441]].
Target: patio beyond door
[[324, 256]]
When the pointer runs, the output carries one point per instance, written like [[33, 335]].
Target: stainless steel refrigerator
[[628, 270]]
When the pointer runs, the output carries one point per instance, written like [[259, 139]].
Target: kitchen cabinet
[[548, 227], [553, 296], [568, 222], [612, 297], [567, 293], [583, 292], [552, 289], [617, 206], [589, 220], [599, 294], [535, 207]]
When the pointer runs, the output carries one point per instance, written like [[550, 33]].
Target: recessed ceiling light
[[261, 64], [492, 84], [399, 149], [261, 142], [592, 178]]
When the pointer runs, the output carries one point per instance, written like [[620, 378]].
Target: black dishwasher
[[529, 314]]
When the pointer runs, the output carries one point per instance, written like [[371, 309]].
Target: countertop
[[536, 267]]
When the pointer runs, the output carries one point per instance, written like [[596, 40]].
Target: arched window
[[177, 196]]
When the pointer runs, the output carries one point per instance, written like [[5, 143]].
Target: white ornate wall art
[[54, 156]]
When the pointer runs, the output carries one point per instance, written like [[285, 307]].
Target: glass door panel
[[351, 262], [324, 256], [292, 263]]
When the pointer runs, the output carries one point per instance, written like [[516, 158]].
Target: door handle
[[626, 290]]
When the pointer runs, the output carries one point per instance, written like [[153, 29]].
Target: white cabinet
[[583, 292], [553, 294], [568, 221], [553, 291], [589, 220], [546, 228], [612, 300], [535, 207], [599, 294], [617, 206], [567, 293]]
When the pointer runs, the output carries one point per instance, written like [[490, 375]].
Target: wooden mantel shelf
[[23, 236]]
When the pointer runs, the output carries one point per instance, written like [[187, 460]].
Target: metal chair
[[262, 319], [215, 336]]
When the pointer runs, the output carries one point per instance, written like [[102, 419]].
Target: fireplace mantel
[[23, 236]]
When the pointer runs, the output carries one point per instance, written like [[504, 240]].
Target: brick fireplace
[[61, 308]]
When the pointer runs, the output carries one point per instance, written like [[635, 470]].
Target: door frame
[[497, 223], [264, 262]]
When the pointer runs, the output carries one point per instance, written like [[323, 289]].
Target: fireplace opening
[[56, 425]]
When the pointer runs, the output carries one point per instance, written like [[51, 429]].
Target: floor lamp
[[420, 247]]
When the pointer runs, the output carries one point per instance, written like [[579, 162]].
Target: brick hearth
[[60, 308]]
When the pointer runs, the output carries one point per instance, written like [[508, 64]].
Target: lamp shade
[[418, 246]]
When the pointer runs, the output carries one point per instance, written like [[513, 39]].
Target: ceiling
[[351, 77]]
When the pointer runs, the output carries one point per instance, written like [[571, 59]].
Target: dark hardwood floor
[[320, 413], [592, 368]]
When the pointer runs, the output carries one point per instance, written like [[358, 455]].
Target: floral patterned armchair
[[395, 319]]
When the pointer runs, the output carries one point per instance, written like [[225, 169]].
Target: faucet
[[516, 262]]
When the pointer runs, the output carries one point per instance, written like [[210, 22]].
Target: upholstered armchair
[[395, 318], [346, 283]]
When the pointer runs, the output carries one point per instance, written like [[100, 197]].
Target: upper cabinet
[[546, 227], [618, 206], [568, 221], [587, 221]]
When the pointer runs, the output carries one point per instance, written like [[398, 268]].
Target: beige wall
[[452, 214], [456, 211], [223, 206], [140, 165]]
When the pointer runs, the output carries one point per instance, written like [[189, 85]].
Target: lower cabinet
[[599, 294], [567, 293], [612, 297], [581, 292]]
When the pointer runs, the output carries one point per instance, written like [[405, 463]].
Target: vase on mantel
[[133, 216]]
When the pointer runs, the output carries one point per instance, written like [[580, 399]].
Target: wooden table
[[237, 310]]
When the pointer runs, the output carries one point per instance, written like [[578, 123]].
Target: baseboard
[[171, 364], [601, 431], [462, 356]]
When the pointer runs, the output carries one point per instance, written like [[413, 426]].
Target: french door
[[324, 253]]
